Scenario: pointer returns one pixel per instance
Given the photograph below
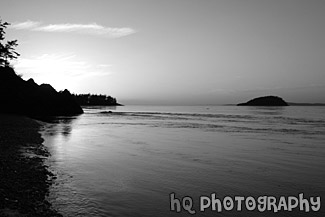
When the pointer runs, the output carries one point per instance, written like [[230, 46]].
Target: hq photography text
[[241, 203]]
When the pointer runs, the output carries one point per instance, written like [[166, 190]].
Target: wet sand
[[24, 178]]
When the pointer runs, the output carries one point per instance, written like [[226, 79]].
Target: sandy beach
[[24, 179]]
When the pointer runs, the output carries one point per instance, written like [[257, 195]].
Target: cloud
[[89, 29], [25, 25]]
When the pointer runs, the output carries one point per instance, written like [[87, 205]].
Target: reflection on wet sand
[[60, 125]]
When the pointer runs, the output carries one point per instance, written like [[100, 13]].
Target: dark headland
[[265, 101], [24, 178], [28, 98]]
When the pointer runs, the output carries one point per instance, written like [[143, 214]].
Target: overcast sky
[[173, 51]]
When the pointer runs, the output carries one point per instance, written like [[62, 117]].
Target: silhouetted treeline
[[28, 98], [95, 99]]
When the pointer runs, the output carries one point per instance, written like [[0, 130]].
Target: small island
[[265, 101]]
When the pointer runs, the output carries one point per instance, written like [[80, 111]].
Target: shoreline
[[24, 178]]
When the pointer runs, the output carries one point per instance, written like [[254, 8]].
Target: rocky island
[[265, 101]]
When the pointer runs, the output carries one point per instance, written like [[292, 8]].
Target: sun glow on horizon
[[62, 71]]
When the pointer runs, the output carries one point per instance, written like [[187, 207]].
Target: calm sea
[[128, 162]]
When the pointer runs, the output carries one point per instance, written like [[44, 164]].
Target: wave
[[221, 122]]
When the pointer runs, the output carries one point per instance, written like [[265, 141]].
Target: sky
[[172, 52]]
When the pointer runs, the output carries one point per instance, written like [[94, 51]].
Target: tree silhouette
[[7, 50], [94, 99]]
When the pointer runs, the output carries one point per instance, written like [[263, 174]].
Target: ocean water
[[130, 161]]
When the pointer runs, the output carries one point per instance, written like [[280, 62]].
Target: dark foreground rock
[[28, 98], [265, 101], [24, 179]]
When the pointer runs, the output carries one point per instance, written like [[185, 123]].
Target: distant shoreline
[[291, 104], [306, 104]]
